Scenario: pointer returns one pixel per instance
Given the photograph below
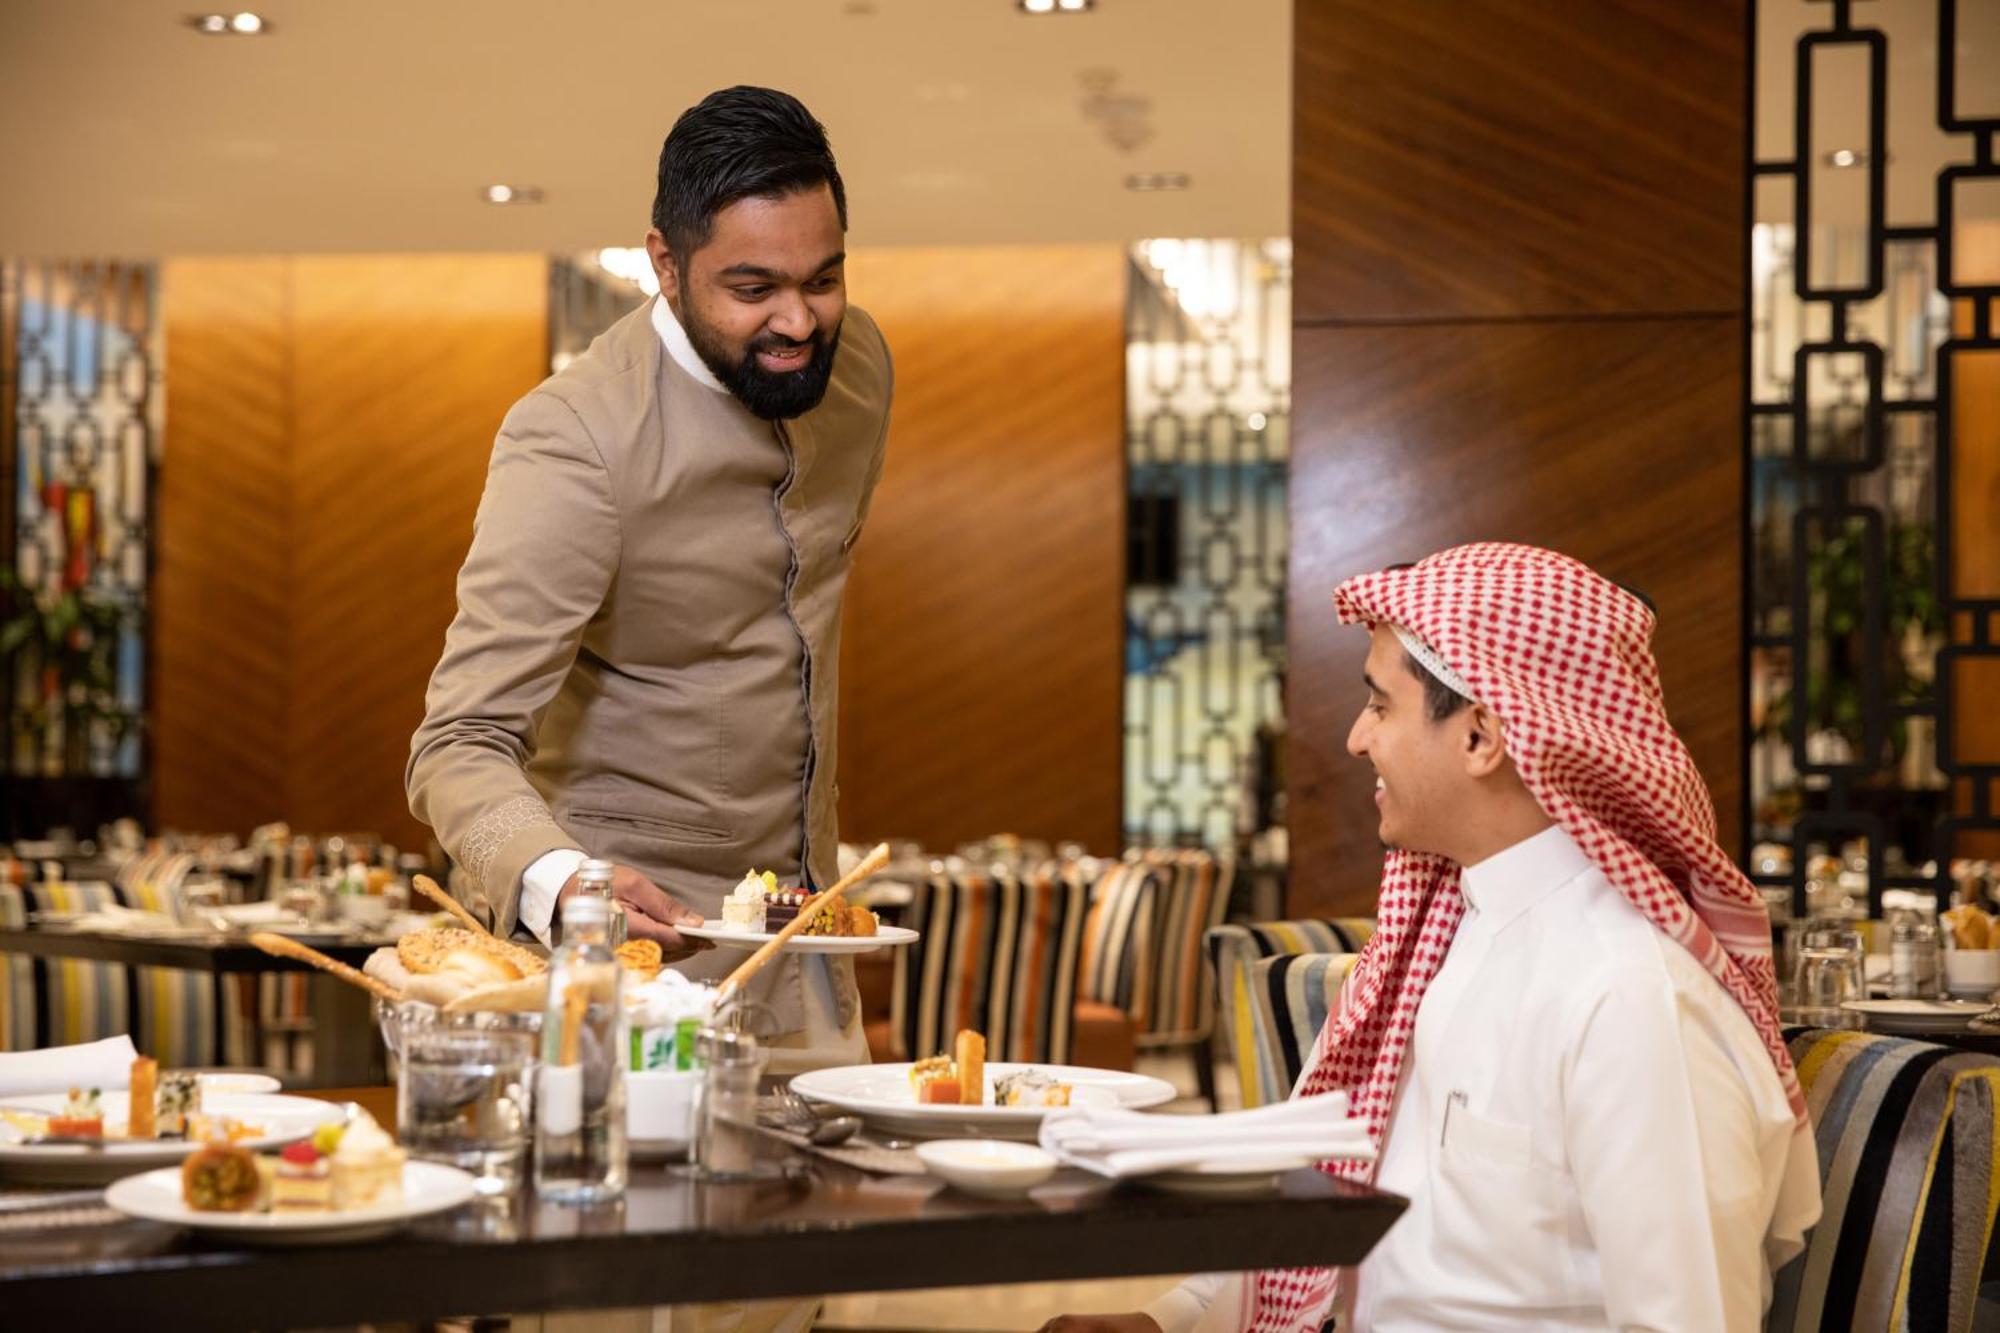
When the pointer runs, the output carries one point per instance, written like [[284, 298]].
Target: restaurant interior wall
[[327, 433], [1518, 303]]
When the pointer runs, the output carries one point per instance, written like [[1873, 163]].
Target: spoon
[[838, 1130]]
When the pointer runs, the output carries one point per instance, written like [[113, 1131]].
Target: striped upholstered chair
[[17, 976], [1909, 1153], [74, 1000], [1249, 1023], [1142, 946], [997, 952], [1283, 1002]]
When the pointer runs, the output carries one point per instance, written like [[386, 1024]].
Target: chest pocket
[[1502, 1217]]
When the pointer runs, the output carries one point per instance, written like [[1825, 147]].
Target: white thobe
[[1588, 1128]]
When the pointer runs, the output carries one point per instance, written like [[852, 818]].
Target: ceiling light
[[1846, 157], [1055, 6], [1151, 182], [243, 24], [512, 194]]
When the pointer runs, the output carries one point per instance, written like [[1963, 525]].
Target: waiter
[[1563, 1036], [644, 663]]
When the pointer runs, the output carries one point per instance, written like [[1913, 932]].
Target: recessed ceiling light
[[1846, 157], [1152, 182], [1055, 6], [243, 24], [512, 194]]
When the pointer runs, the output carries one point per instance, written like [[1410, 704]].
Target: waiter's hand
[[1101, 1323], [651, 913]]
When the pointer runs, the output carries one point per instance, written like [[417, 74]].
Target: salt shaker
[[725, 1142]]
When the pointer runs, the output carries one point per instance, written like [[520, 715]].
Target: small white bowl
[[364, 909], [989, 1168], [1972, 973]]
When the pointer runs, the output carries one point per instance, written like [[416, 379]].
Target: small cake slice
[[744, 908], [178, 1099], [304, 1180], [367, 1166], [82, 1116]]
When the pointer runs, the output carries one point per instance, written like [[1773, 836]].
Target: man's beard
[[774, 395]]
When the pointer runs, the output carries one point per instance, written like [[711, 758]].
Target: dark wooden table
[[345, 1048], [820, 1230]]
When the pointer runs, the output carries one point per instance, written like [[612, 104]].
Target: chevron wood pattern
[[1494, 157], [328, 424], [220, 607], [1612, 442], [1517, 235], [982, 665], [404, 366]]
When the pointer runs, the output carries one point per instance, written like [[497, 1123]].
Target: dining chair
[[1246, 1019], [1909, 1152]]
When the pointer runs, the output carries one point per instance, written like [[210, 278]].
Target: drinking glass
[[463, 1099], [1829, 973]]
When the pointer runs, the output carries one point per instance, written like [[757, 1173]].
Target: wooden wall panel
[[404, 366], [1498, 157], [982, 666], [328, 425], [1422, 438], [220, 608], [1518, 246]]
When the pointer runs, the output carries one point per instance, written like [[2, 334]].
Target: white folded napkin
[[94, 1064], [1119, 1143]]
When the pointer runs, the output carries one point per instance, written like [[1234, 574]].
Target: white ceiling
[[365, 125]]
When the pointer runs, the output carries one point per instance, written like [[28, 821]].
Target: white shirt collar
[[679, 348], [1508, 883]]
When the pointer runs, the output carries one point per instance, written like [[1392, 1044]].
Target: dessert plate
[[428, 1187]]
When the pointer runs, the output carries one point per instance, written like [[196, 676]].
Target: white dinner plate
[[216, 1082], [428, 1187], [882, 1095], [885, 937], [1225, 1180], [1917, 1017], [284, 1120]]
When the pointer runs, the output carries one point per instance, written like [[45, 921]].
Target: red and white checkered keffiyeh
[[1562, 657]]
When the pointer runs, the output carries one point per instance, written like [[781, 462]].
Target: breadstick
[[427, 886], [576, 1000], [279, 946], [874, 861], [145, 1085]]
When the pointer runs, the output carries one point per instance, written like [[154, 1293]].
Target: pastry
[[744, 908], [641, 958], [1030, 1087], [938, 1092], [367, 1166], [971, 1048], [141, 1110], [303, 1182], [82, 1116], [781, 907], [220, 1178], [933, 1067], [178, 1100]]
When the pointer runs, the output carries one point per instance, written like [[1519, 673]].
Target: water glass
[[463, 1100], [1828, 974]]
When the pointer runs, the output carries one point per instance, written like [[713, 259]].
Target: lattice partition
[[1870, 641]]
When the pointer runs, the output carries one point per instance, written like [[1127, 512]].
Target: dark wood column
[[1519, 234]]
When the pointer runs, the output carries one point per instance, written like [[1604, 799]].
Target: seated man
[[1564, 1034]]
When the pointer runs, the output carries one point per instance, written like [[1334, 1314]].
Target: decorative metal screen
[[1208, 416], [1874, 581], [588, 293], [80, 358]]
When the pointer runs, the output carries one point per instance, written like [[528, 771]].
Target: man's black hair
[[739, 143]]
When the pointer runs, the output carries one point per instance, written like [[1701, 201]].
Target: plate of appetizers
[[343, 1183], [758, 908], [961, 1096], [883, 938], [87, 1136]]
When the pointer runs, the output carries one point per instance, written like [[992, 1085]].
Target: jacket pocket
[[667, 830]]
